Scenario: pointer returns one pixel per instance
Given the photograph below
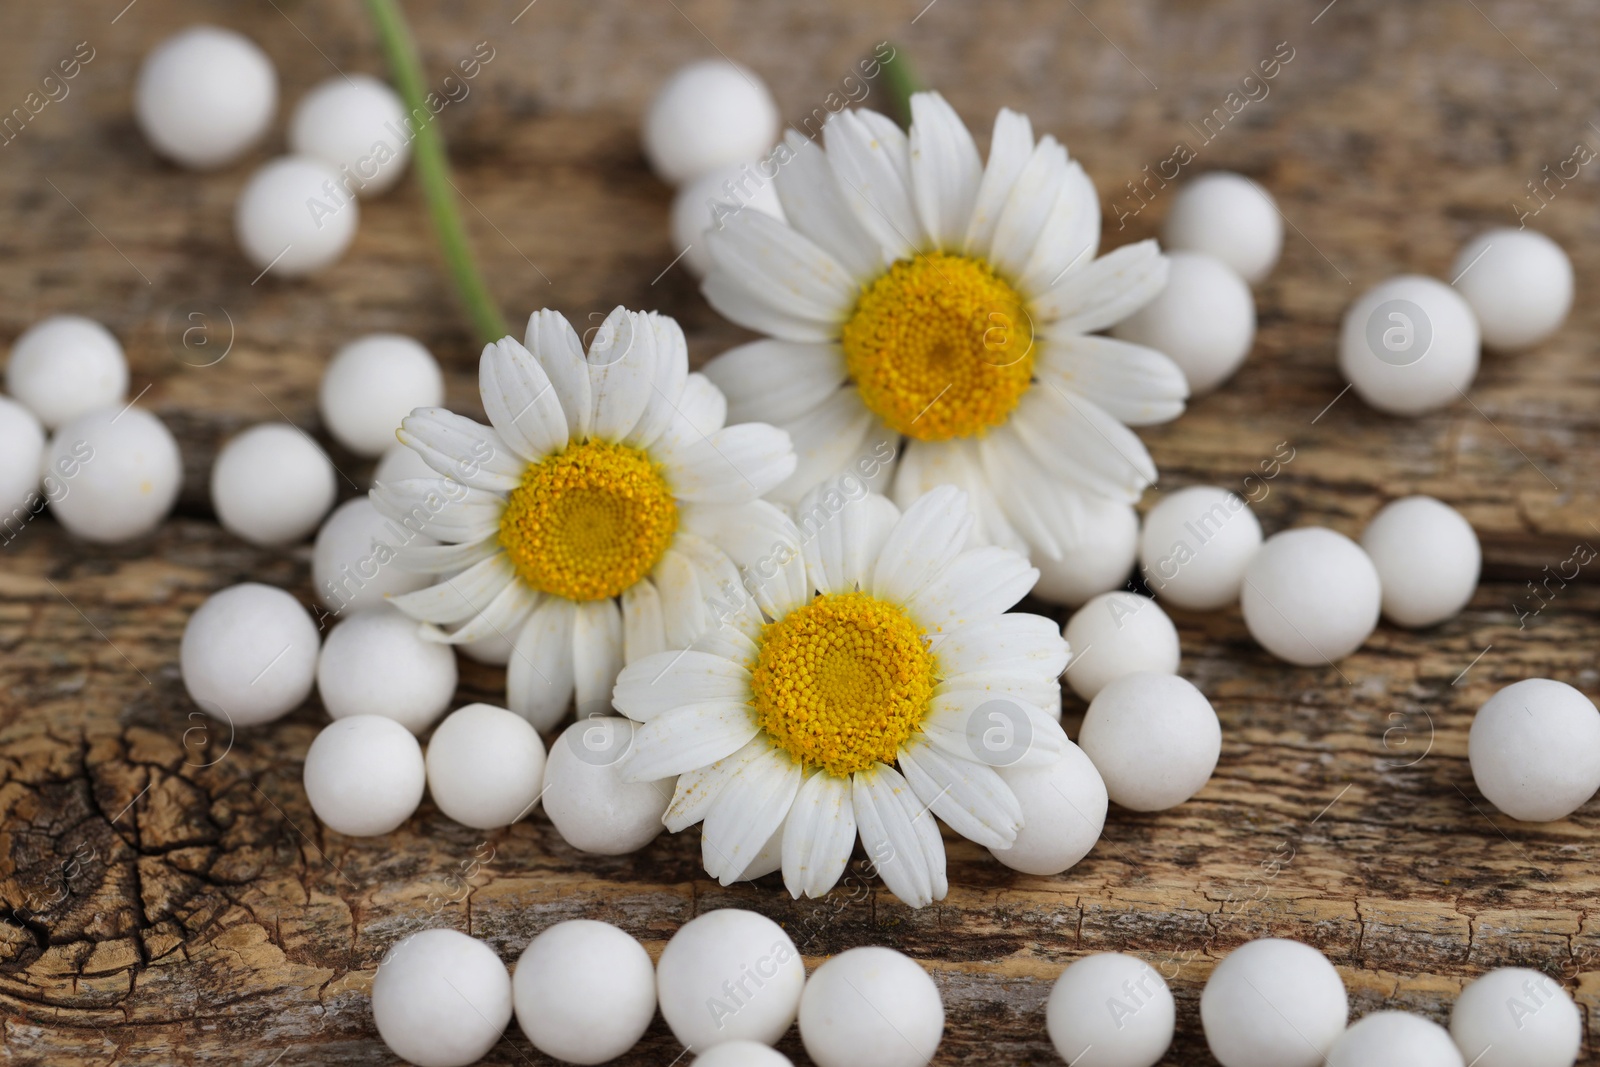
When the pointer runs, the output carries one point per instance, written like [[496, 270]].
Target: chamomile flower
[[582, 523], [917, 293], [869, 680]]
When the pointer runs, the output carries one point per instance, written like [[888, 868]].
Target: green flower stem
[[433, 171], [901, 81]]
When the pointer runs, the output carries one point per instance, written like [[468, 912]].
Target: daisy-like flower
[[871, 676], [582, 523], [917, 293]]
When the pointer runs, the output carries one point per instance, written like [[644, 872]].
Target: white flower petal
[[643, 630], [1035, 689], [928, 537], [1074, 438], [734, 465], [871, 160], [763, 543], [843, 534], [440, 508], [596, 656], [957, 720], [980, 582], [1102, 293], [459, 448], [697, 789], [672, 374], [819, 836], [777, 381], [1028, 207], [622, 373], [1047, 512], [926, 465], [815, 205], [773, 258], [539, 673], [1070, 235], [686, 738], [554, 343], [945, 169], [1010, 148], [898, 852], [747, 813], [1137, 386], [461, 597], [971, 798], [503, 617], [445, 559], [700, 410], [666, 681], [521, 403], [839, 435], [1014, 641], [683, 608], [737, 300]]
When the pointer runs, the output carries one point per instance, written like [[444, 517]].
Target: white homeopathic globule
[[741, 1054], [357, 125], [729, 975], [1394, 1039], [249, 654], [65, 366], [1518, 283], [271, 484], [1204, 320], [1516, 1017], [21, 460], [1535, 749], [353, 560], [1196, 545], [1273, 1003], [122, 472], [1154, 738], [441, 999], [1428, 559], [1063, 812], [1228, 216], [584, 991], [371, 384], [1311, 596], [485, 766], [1110, 1009], [295, 216], [1098, 561], [378, 663], [587, 801], [204, 96], [1118, 633], [364, 775], [1409, 345], [711, 113], [871, 1005]]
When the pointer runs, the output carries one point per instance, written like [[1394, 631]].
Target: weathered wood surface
[[167, 894]]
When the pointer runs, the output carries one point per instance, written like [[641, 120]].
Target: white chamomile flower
[[915, 292], [871, 676], [582, 523]]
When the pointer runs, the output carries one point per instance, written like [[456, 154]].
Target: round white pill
[[1154, 738], [741, 1054], [353, 562], [357, 125], [1518, 283], [485, 766], [204, 96], [1409, 345], [399, 463], [364, 775], [1273, 1003], [1311, 596], [441, 999], [371, 384], [592, 808], [1100, 561], [1110, 1010], [21, 459], [294, 217], [121, 471], [1063, 812], [1118, 633], [711, 113], [249, 654], [377, 663], [65, 366], [708, 201], [871, 1005], [271, 485], [1394, 1039], [1205, 319], [1196, 545], [1515, 1017], [1427, 558], [1228, 216], [493, 649], [729, 975], [585, 991], [1535, 749]]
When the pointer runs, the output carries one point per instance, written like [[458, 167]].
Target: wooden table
[[170, 898]]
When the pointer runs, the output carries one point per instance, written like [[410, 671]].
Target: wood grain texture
[[166, 895]]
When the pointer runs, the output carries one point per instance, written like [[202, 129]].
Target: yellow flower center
[[842, 682], [940, 347], [589, 521]]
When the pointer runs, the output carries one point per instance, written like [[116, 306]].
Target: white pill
[[741, 1054], [1273, 1003], [1515, 1017], [371, 384], [271, 485], [485, 766], [353, 562], [399, 463], [710, 200], [364, 775], [711, 113], [729, 975], [21, 460], [592, 808], [1394, 1039], [1154, 738], [1110, 1010], [65, 366], [357, 125], [493, 649], [204, 96], [1196, 545], [1205, 319], [377, 663], [1518, 283], [1311, 596], [1118, 633], [1535, 749], [294, 217], [871, 1006], [1409, 345], [1228, 216], [249, 654], [441, 999], [1099, 561], [127, 473], [1427, 558], [585, 991], [1063, 811]]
